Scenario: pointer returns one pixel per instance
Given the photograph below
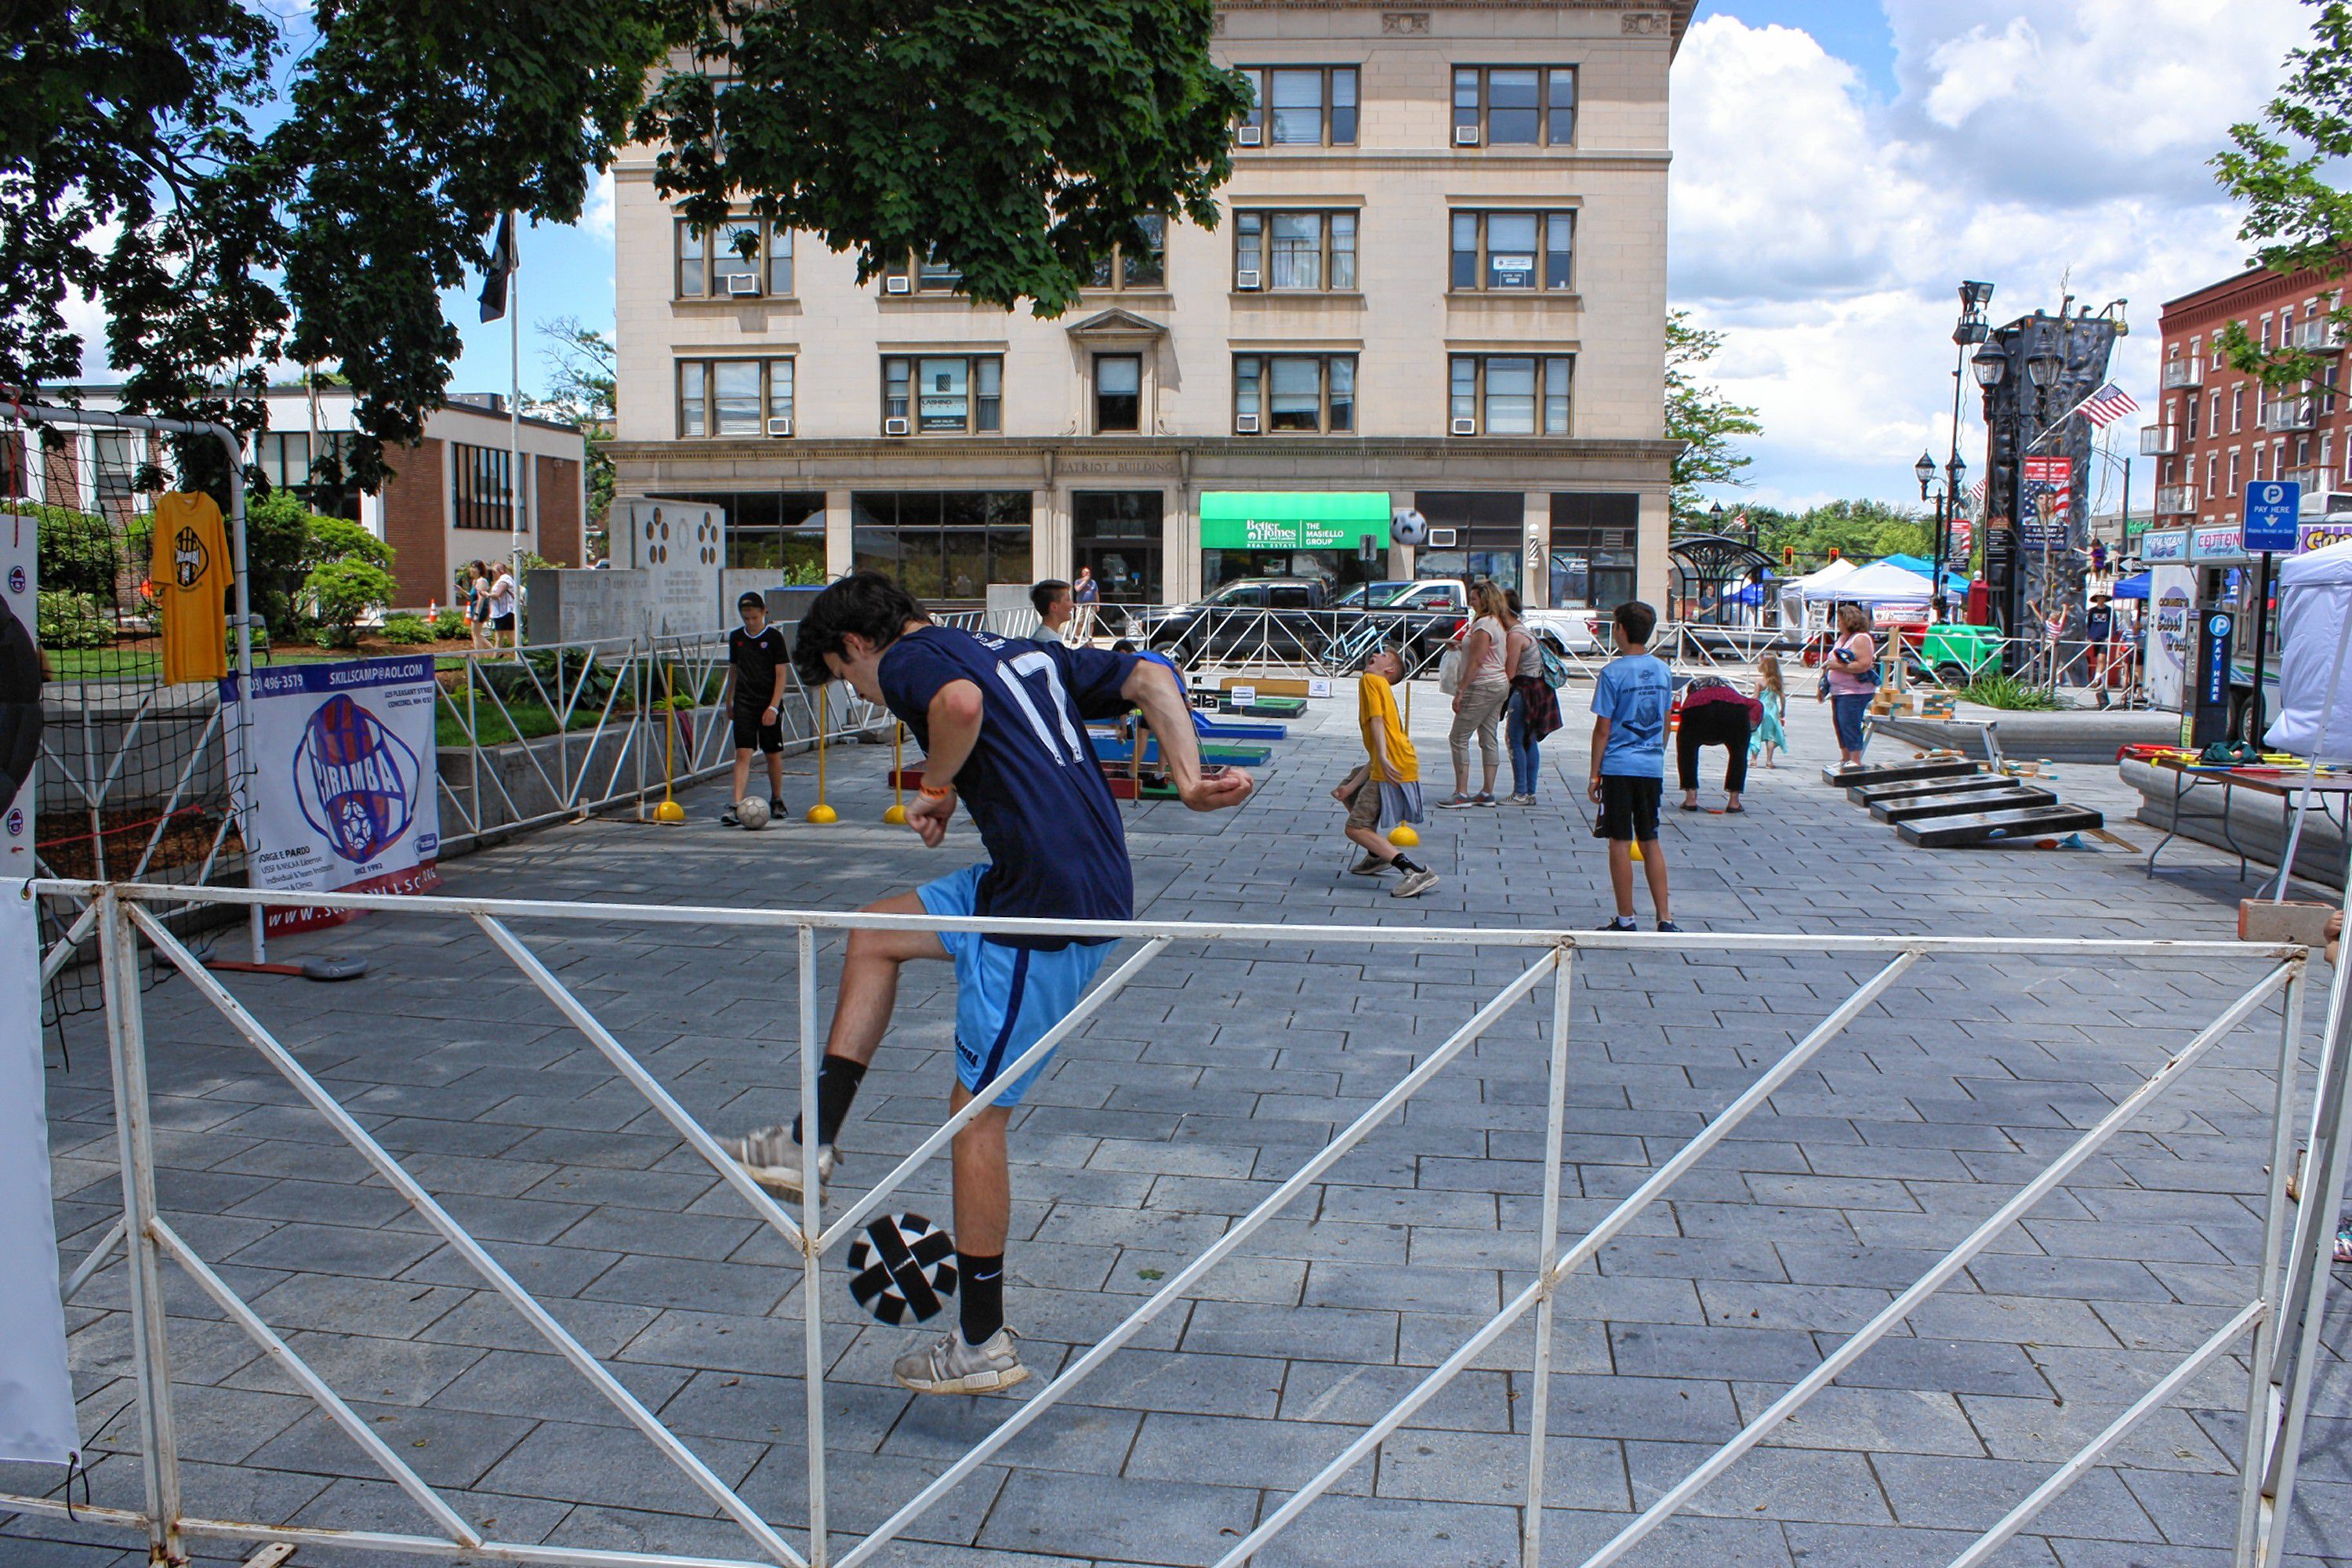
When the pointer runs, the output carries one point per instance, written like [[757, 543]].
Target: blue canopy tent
[[1954, 581], [2132, 587]]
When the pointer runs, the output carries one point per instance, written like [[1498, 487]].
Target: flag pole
[[516, 488]]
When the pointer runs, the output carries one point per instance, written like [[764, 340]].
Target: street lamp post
[[1971, 330]]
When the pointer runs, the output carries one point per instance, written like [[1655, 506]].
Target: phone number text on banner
[[342, 782]]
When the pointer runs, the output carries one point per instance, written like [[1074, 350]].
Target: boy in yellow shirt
[[1386, 789]]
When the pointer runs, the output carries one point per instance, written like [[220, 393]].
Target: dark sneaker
[[775, 808], [1669, 925], [948, 1365], [1484, 800], [1459, 803], [727, 818], [1617, 925]]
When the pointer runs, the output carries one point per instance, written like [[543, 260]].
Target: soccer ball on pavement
[[751, 812]]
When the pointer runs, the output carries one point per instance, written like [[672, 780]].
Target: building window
[[1302, 393], [2233, 473], [2188, 432], [748, 257], [957, 396], [1129, 266], [1513, 251], [1510, 394], [1593, 538], [286, 457], [734, 396], [902, 274], [942, 544], [1513, 106], [1301, 106], [1118, 392], [2212, 474], [1297, 251], [479, 494], [2237, 413]]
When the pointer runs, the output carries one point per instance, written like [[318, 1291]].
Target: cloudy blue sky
[[1840, 165]]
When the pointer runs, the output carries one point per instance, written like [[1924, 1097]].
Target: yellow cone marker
[[1404, 837], [821, 814], [897, 815], [669, 810]]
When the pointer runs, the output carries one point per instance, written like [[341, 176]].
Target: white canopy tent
[[1879, 583], [1795, 591], [2315, 598]]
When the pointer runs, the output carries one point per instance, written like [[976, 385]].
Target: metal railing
[[2284, 1313], [630, 717]]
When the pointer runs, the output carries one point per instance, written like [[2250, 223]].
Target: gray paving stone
[[1128, 1516]]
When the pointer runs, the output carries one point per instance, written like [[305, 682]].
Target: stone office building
[[1439, 281]]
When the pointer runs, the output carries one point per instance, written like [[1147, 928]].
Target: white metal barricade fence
[[2284, 1314]]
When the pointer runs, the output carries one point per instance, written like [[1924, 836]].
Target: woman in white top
[[1479, 696]]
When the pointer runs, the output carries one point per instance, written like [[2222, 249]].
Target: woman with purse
[[1534, 709], [1482, 685], [1849, 679]]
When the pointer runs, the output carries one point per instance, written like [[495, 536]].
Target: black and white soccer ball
[[1408, 527], [902, 1269]]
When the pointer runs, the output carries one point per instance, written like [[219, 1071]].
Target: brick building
[[449, 501], [2216, 430], [1439, 280]]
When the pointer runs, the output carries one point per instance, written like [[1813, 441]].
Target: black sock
[[837, 1078], [980, 1288], [1404, 862]]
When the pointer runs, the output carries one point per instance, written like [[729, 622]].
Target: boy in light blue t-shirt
[[1630, 700]]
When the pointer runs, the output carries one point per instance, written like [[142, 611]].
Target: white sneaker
[[951, 1366], [1415, 883], [1369, 865], [772, 1157]]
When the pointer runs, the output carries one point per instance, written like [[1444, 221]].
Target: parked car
[[1289, 619], [1232, 619]]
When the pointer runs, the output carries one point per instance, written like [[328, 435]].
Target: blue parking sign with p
[[2274, 508]]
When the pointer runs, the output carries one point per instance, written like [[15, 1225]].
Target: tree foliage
[[584, 368], [1857, 529], [1019, 139], [1709, 424], [2295, 218]]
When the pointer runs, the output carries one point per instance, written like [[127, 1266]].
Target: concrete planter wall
[[2067, 736]]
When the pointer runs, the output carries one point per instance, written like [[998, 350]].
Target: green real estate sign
[[1315, 519]]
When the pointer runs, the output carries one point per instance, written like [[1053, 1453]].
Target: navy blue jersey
[[1053, 837]]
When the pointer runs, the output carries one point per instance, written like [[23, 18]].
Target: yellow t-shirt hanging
[[191, 576]]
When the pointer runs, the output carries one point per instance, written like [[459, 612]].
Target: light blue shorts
[[1006, 997]]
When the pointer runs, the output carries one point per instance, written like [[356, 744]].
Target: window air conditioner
[[1465, 427], [1245, 423], [780, 427], [1251, 136], [1442, 537], [1465, 136], [896, 283], [894, 427], [742, 283], [1246, 280]]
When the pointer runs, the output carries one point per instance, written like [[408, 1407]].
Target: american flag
[[2107, 404]]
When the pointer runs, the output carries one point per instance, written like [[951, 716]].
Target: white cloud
[[1825, 230], [600, 213]]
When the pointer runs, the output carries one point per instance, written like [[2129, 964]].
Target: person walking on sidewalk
[[1002, 724], [1770, 737], [1534, 709], [1849, 679], [1479, 695], [1629, 702]]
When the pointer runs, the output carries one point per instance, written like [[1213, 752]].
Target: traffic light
[[1787, 555], [1835, 553]]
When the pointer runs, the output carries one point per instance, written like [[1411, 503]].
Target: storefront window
[[944, 545], [1593, 545], [1118, 533]]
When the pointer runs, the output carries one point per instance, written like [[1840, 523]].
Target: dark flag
[[504, 257]]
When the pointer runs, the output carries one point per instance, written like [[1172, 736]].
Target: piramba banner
[[20, 689], [341, 781], [37, 1408]]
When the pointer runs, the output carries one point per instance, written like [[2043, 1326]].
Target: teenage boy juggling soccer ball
[[1002, 727], [756, 664], [1631, 700]]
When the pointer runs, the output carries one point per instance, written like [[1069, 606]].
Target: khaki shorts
[[1364, 806]]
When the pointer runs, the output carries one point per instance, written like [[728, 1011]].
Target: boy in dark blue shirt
[[1003, 726]]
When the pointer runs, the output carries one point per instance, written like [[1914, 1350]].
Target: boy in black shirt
[[757, 660]]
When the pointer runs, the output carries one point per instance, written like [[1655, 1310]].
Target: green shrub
[[71, 620], [406, 629], [78, 550], [2006, 691], [342, 592], [449, 626]]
